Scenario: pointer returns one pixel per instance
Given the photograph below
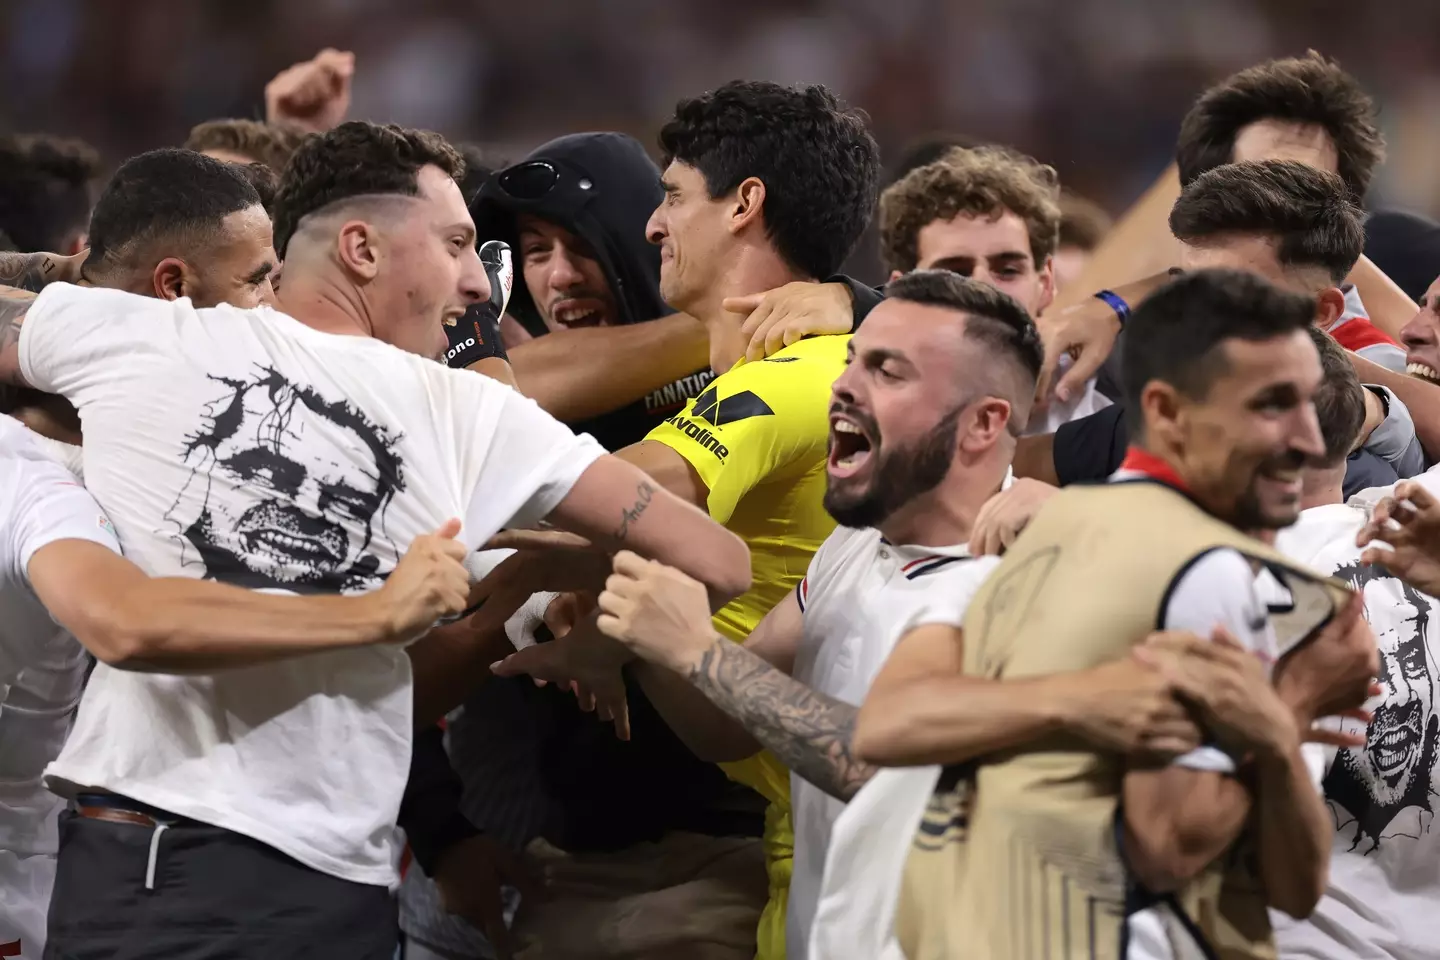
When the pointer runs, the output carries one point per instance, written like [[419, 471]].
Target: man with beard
[[922, 426], [200, 793], [1223, 369], [764, 187]]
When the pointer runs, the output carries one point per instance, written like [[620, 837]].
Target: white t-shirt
[[1385, 865], [861, 595], [42, 668], [241, 446]]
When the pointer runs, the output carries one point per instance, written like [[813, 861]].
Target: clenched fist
[[313, 96], [430, 583]]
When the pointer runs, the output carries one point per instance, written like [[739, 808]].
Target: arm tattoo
[[811, 733], [28, 271], [13, 305], [644, 493]]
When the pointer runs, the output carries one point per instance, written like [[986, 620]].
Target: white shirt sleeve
[[50, 506], [75, 338], [1219, 590], [532, 462]]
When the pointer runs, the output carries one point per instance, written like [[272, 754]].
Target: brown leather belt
[[112, 815]]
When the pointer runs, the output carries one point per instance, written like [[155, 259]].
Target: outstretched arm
[[726, 701], [179, 625]]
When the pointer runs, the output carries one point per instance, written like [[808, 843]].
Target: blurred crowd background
[[1095, 87]]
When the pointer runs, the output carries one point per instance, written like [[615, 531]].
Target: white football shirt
[[860, 595], [244, 447]]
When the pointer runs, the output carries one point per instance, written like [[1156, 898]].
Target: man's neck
[[754, 270], [325, 306], [1323, 487], [944, 517]]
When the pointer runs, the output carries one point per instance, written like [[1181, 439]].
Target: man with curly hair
[[988, 213]]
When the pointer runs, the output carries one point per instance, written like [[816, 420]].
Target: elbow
[[728, 575], [120, 643], [876, 742], [1298, 897]]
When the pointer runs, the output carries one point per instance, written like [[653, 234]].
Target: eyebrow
[[667, 186], [467, 229], [258, 275], [1008, 255], [878, 355]]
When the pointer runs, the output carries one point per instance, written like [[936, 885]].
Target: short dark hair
[[163, 193], [819, 164], [45, 189], [994, 319], [1340, 401], [356, 159], [1308, 89], [1175, 335], [264, 180], [1307, 211], [269, 143]]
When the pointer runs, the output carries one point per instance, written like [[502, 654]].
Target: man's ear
[[358, 247], [171, 279], [1047, 286], [749, 204], [1162, 410], [1329, 305], [989, 423]]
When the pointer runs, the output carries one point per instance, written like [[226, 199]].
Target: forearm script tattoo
[[811, 733], [644, 493]]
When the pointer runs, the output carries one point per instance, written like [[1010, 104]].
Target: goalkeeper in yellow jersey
[[764, 186]]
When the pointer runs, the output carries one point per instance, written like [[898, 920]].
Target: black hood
[[607, 188]]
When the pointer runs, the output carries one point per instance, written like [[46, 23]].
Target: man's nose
[[474, 281], [655, 227], [1418, 332], [843, 388], [563, 272]]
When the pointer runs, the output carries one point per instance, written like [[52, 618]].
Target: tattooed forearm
[[644, 493], [811, 733], [13, 304], [29, 271]]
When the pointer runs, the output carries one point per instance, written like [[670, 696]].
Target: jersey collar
[[1142, 463]]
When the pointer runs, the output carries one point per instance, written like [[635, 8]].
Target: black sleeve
[[430, 809], [865, 297], [1091, 448]]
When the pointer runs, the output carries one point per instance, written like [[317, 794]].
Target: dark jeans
[[216, 895]]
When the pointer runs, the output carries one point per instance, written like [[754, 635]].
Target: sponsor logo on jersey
[[711, 410], [700, 435], [103, 522]]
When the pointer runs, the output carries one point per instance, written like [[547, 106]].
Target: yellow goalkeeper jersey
[[757, 436]]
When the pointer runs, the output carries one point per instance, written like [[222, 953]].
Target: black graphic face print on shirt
[[1384, 789], [288, 489]]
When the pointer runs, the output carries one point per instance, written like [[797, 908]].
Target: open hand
[[1331, 674], [789, 314], [585, 662], [1006, 514], [1409, 523], [430, 583], [1086, 331]]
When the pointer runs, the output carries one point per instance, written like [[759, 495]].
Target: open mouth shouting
[[851, 444], [1394, 741]]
